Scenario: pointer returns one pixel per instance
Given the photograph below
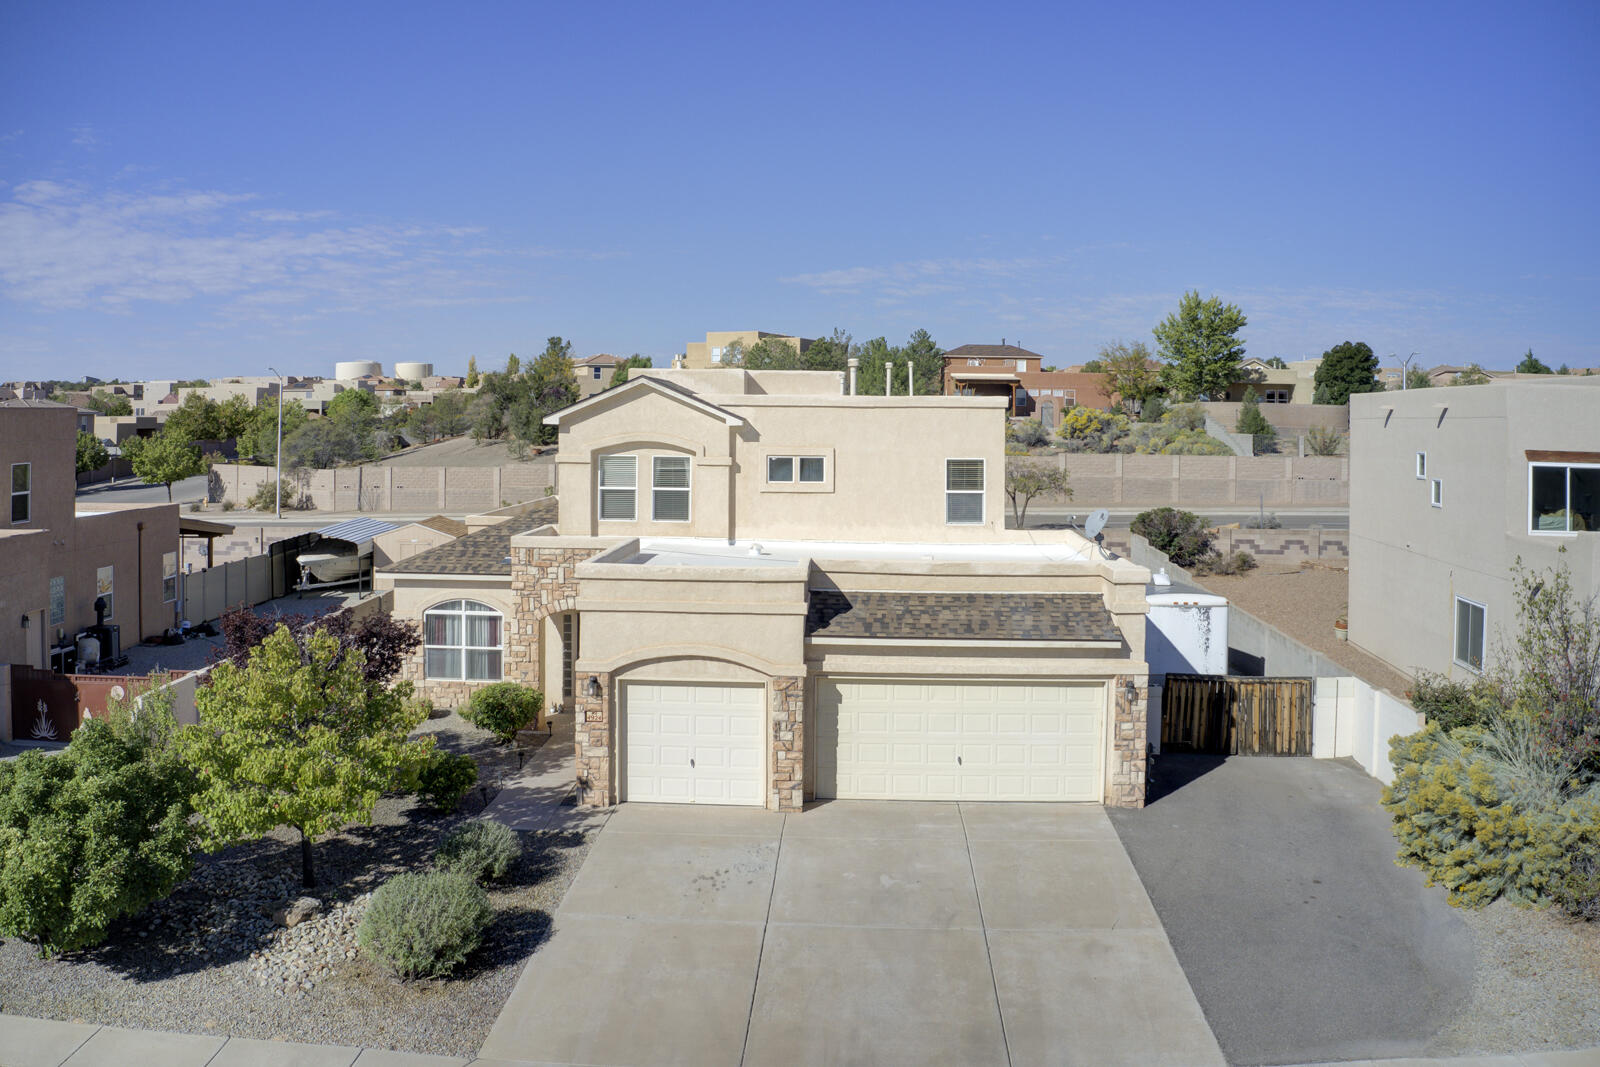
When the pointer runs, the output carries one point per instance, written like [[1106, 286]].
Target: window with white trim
[[21, 492], [1436, 492], [1469, 634], [963, 491], [1563, 497], [784, 470], [1422, 465], [461, 642], [619, 488], [716, 355], [169, 577], [669, 489]]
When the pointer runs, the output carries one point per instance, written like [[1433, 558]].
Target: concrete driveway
[[855, 932], [1275, 879]]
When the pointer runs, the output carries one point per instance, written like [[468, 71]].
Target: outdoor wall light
[[25, 621], [1131, 691], [594, 687]]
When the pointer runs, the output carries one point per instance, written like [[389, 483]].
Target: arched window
[[461, 642]]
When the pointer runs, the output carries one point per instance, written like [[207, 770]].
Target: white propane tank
[[88, 650]]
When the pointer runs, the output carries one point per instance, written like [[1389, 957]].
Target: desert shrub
[[1451, 703], [480, 849], [1153, 409], [1269, 521], [88, 836], [1321, 441], [1234, 563], [446, 778], [1577, 884], [425, 925], [1181, 535], [1030, 433], [504, 708], [1086, 429], [265, 498]]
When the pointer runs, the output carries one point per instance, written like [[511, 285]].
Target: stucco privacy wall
[[1352, 719], [377, 487], [1202, 481]]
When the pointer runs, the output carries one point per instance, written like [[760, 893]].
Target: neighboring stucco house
[[702, 355], [756, 590], [1017, 375], [594, 373], [61, 554], [1448, 487], [1293, 384]]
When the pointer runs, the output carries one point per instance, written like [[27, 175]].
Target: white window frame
[[602, 488], [798, 457], [468, 607], [1436, 492], [1566, 501], [981, 493], [716, 355], [974, 362], [686, 489], [1455, 634], [1422, 466], [169, 577], [26, 494]]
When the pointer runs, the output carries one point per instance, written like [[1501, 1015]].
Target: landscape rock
[[296, 911]]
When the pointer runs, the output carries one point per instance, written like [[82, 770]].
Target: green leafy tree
[[1531, 364], [1026, 481], [263, 437], [771, 353], [1276, 363], [356, 407], [550, 384], [635, 361], [447, 416], [92, 454], [1182, 535], [1563, 369], [107, 404], [1253, 423], [196, 419], [828, 353], [927, 362], [164, 458], [236, 418], [1201, 346], [472, 372], [1095, 366], [323, 444], [927, 365], [1129, 371], [299, 737], [1417, 378], [1472, 374], [1346, 368], [88, 836], [513, 365]]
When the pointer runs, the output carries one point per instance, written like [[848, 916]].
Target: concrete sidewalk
[[543, 794]]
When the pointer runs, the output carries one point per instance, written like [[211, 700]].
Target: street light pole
[[277, 466]]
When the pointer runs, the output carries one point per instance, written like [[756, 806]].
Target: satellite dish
[[1097, 522]]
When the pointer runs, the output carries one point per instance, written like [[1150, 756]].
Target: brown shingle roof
[[488, 551], [992, 351], [961, 616], [445, 525]]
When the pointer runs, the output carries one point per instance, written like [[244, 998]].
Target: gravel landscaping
[[212, 959]]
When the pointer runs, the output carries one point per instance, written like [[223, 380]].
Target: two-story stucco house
[[758, 590], [1448, 489]]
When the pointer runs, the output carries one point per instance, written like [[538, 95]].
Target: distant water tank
[[413, 372], [357, 368]]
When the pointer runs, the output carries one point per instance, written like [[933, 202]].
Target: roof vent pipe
[[888, 378], [853, 363], [911, 383]]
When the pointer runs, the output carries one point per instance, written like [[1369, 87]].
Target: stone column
[[1125, 775], [593, 729], [786, 702]]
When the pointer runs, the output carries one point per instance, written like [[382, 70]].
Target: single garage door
[[948, 740], [693, 744]]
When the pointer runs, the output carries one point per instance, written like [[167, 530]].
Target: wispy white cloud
[[919, 278], [84, 136], [65, 245]]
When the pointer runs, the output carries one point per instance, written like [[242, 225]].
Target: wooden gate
[[1225, 716]]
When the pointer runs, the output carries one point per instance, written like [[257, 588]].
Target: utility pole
[[277, 467]]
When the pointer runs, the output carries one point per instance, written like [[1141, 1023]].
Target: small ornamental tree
[[88, 836], [1532, 364], [384, 641], [1025, 481], [1201, 346], [1252, 422], [1346, 368], [1181, 535], [300, 737], [164, 459], [92, 455]]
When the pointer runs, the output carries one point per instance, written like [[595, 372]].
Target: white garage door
[[693, 744], [944, 740]]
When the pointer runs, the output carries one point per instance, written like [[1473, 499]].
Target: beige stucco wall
[[697, 354], [885, 471], [405, 542], [1410, 560]]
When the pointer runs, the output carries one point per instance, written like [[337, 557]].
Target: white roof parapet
[[633, 385]]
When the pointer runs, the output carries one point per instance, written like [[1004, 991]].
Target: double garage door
[[902, 740]]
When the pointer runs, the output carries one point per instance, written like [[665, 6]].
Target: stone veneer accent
[[786, 699], [1125, 776], [593, 727]]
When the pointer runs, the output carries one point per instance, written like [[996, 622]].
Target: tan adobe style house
[[1018, 376], [720, 345], [1448, 488], [753, 588], [594, 373], [62, 554]]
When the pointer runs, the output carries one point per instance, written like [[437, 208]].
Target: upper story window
[[1422, 464], [461, 642], [1022, 364], [1563, 497], [1436, 492], [975, 362], [619, 488], [716, 355], [787, 469], [21, 492], [963, 491], [596, 373], [1469, 634], [1276, 396], [669, 489]]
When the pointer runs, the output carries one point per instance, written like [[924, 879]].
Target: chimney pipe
[[888, 378], [911, 383], [852, 363]]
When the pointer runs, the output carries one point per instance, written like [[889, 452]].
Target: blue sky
[[208, 188]]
